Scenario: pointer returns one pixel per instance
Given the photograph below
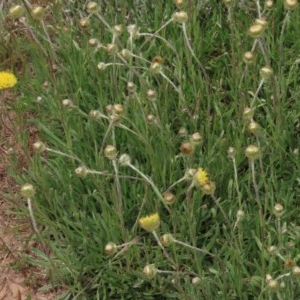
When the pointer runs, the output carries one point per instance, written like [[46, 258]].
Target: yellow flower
[[7, 80], [150, 223], [201, 177]]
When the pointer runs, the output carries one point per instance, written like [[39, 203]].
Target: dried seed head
[[81, 171], [133, 31], [167, 239], [124, 160], [178, 3], [296, 271], [290, 4], [227, 2], [126, 54], [196, 138], [149, 271], [273, 285], [95, 114], [208, 188], [110, 152], [151, 94], [269, 4], [67, 103], [273, 250], [16, 12], [118, 29], [169, 198], [84, 22], [102, 66], [231, 152], [252, 152], [254, 127], [39, 147], [196, 280], [180, 17], [130, 87], [112, 49], [248, 114], [38, 13], [119, 109], [289, 263], [189, 174], [92, 7], [182, 132], [240, 215], [150, 118], [93, 42], [248, 57], [110, 248], [278, 210], [155, 68], [256, 31], [27, 190], [187, 148], [266, 72]]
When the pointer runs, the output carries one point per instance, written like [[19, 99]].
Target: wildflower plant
[[187, 111]]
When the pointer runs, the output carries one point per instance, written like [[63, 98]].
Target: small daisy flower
[[150, 223], [201, 177], [7, 80]]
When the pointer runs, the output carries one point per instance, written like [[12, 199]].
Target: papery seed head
[[269, 4], [196, 280], [67, 103], [151, 94], [110, 248], [196, 138], [261, 21], [110, 152], [187, 148], [231, 152], [266, 72], [278, 210], [27, 190], [38, 13], [254, 127], [124, 160], [189, 174], [126, 54], [166, 239], [273, 250], [290, 4], [273, 285], [252, 152], [46, 84], [101, 66], [296, 271], [81, 171], [150, 271], [130, 86], [92, 7], [248, 57], [169, 198], [93, 42], [150, 118], [296, 152], [155, 68], [240, 215], [256, 30], [248, 114], [178, 3], [119, 109], [109, 109], [16, 12], [268, 278], [227, 2], [112, 49], [95, 114], [208, 188], [84, 22], [118, 29], [180, 17], [182, 132], [39, 147], [289, 263]]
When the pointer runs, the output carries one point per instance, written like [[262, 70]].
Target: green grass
[[204, 87]]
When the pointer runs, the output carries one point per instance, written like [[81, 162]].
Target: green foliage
[[203, 86]]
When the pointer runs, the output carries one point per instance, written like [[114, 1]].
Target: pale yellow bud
[[290, 4], [278, 210], [248, 57], [248, 113], [254, 127], [256, 30], [178, 3], [110, 152], [180, 17], [84, 22], [196, 138], [38, 13], [110, 248], [166, 239], [81, 171], [27, 190], [16, 12], [112, 49], [124, 160], [39, 147], [266, 72], [155, 68], [252, 152], [169, 198], [150, 271], [231, 152], [92, 7]]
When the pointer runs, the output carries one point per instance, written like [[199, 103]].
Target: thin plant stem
[[164, 250], [257, 92], [32, 219], [192, 247], [237, 183]]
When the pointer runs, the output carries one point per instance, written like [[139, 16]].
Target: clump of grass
[[135, 103]]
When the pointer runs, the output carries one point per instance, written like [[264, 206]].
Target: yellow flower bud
[[150, 223]]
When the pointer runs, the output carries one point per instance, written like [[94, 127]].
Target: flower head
[[201, 177], [150, 223], [7, 80]]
